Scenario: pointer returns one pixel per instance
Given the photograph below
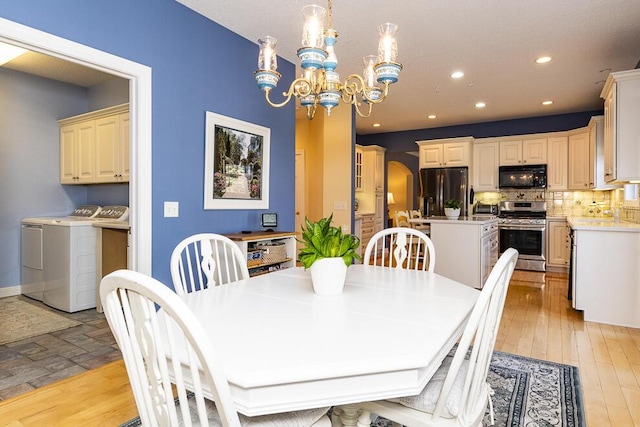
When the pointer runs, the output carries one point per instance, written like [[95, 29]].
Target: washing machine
[[59, 257]]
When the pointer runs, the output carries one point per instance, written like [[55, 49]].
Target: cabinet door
[[486, 158], [510, 153], [557, 163], [431, 156], [379, 171], [558, 243], [68, 145], [534, 151], [609, 135], [579, 162], [358, 170], [85, 153], [455, 154], [380, 214], [107, 149]]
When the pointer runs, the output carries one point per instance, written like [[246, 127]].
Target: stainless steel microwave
[[523, 176]]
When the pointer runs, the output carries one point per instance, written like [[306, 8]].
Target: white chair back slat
[[401, 247], [204, 260]]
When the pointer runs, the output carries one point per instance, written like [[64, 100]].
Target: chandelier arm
[[299, 87], [354, 84], [364, 116]]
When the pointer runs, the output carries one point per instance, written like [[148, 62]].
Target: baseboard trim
[[10, 291]]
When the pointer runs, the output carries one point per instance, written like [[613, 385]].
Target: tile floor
[[37, 361]]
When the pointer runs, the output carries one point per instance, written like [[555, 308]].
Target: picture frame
[[236, 170]]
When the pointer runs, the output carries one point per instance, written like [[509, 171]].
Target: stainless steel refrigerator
[[438, 185]]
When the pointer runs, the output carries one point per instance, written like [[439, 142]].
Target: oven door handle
[[532, 227]]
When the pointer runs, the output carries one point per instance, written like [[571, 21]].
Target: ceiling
[[494, 42]]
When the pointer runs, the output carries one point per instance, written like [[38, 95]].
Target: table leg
[[350, 416]]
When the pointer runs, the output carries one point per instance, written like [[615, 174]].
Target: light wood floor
[[538, 322]]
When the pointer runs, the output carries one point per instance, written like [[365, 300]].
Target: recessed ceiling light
[[549, 102], [376, 125], [457, 74], [480, 104], [431, 116], [543, 60]]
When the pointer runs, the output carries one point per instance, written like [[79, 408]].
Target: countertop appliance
[[485, 209], [522, 225], [437, 185], [523, 176], [59, 256]]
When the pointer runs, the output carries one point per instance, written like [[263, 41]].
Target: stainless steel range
[[522, 225]]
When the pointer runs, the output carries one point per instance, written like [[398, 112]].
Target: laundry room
[[37, 94]]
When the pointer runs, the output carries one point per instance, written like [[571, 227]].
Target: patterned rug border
[[22, 319], [570, 389]]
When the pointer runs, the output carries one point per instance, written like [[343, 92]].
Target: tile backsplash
[[570, 203]]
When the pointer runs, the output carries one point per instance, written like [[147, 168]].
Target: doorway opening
[[400, 183]]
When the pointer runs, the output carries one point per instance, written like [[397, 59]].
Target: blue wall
[[197, 66]]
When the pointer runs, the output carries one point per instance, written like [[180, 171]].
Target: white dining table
[[285, 348]]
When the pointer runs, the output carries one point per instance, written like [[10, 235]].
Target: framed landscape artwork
[[236, 164]]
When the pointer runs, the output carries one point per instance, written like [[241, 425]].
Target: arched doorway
[[400, 181]]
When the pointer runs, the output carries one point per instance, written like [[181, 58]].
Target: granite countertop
[[602, 224], [468, 220]]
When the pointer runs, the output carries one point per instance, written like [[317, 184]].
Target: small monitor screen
[[269, 220]]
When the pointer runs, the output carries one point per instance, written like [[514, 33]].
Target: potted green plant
[[327, 253], [452, 208]]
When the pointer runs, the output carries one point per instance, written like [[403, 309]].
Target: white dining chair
[[158, 334], [458, 393], [206, 259], [401, 247], [415, 214], [402, 219]]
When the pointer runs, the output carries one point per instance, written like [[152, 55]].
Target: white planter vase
[[328, 276], [452, 213]]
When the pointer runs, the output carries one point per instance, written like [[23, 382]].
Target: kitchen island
[[467, 248], [605, 270]]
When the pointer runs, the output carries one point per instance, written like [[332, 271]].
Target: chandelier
[[320, 83]]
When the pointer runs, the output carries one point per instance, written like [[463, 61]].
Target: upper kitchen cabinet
[[557, 163], [596, 155], [94, 147], [486, 158], [358, 168], [621, 94], [372, 168], [77, 149], [532, 152], [450, 152], [579, 162]]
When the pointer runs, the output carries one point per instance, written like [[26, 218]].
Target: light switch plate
[[171, 209]]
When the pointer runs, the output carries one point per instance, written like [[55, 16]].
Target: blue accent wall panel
[[197, 66]]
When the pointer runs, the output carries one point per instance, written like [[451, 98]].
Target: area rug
[[21, 319], [528, 392]]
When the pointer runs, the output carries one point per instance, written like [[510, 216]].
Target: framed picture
[[236, 174]]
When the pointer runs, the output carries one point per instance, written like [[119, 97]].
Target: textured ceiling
[[495, 42]]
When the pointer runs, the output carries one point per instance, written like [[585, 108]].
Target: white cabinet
[[358, 169], [579, 163], [596, 155], [371, 194], [267, 251], [94, 147], [557, 163], [533, 152], [451, 152], [558, 244], [112, 148], [77, 149], [486, 159], [367, 224], [621, 95], [472, 245]]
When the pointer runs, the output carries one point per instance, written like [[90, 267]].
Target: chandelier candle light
[[320, 83]]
